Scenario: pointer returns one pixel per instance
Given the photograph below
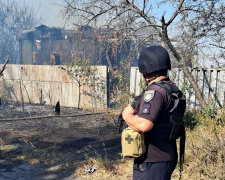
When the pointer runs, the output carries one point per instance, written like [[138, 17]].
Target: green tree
[[81, 71]]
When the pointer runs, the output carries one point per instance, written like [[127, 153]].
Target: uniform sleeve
[[151, 109]]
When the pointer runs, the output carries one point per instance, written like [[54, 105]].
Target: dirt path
[[52, 148]]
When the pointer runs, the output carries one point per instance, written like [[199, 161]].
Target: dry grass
[[105, 168], [205, 151], [204, 158], [117, 170]]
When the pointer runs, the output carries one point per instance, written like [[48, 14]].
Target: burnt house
[[43, 46], [53, 46]]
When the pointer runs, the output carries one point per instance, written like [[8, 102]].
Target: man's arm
[[135, 122]]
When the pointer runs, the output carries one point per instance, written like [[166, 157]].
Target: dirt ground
[[52, 147]]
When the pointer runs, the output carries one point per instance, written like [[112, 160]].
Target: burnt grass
[[64, 141]]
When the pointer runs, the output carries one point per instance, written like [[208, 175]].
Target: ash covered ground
[[62, 142]]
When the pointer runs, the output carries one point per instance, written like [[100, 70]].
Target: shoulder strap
[[169, 88], [172, 90]]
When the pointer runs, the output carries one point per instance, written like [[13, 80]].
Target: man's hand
[[121, 124]]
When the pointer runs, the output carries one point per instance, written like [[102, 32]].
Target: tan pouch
[[133, 144]]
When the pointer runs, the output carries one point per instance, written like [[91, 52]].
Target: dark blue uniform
[[160, 158]]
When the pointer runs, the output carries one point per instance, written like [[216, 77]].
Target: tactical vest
[[172, 128]]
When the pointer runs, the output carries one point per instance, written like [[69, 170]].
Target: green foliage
[[215, 113], [209, 111], [80, 70], [191, 119], [83, 73]]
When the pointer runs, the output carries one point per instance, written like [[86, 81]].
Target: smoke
[[49, 10]]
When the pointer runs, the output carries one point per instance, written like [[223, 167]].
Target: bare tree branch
[[176, 12], [216, 45]]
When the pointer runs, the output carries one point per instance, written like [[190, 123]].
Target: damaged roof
[[41, 32]]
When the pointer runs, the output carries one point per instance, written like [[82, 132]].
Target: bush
[[191, 119]]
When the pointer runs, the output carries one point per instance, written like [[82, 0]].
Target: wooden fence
[[210, 81], [46, 84]]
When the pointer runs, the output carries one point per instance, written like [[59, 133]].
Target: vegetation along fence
[[210, 81]]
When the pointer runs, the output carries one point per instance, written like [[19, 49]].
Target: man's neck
[[157, 79]]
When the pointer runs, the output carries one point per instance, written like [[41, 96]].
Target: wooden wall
[[45, 84]]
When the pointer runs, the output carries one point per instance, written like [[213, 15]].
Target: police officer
[[160, 158]]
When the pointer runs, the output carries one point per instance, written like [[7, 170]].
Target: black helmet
[[153, 59]]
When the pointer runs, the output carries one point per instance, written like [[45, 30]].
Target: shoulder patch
[[148, 96]]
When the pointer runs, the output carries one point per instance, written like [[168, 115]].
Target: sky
[[48, 9]]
